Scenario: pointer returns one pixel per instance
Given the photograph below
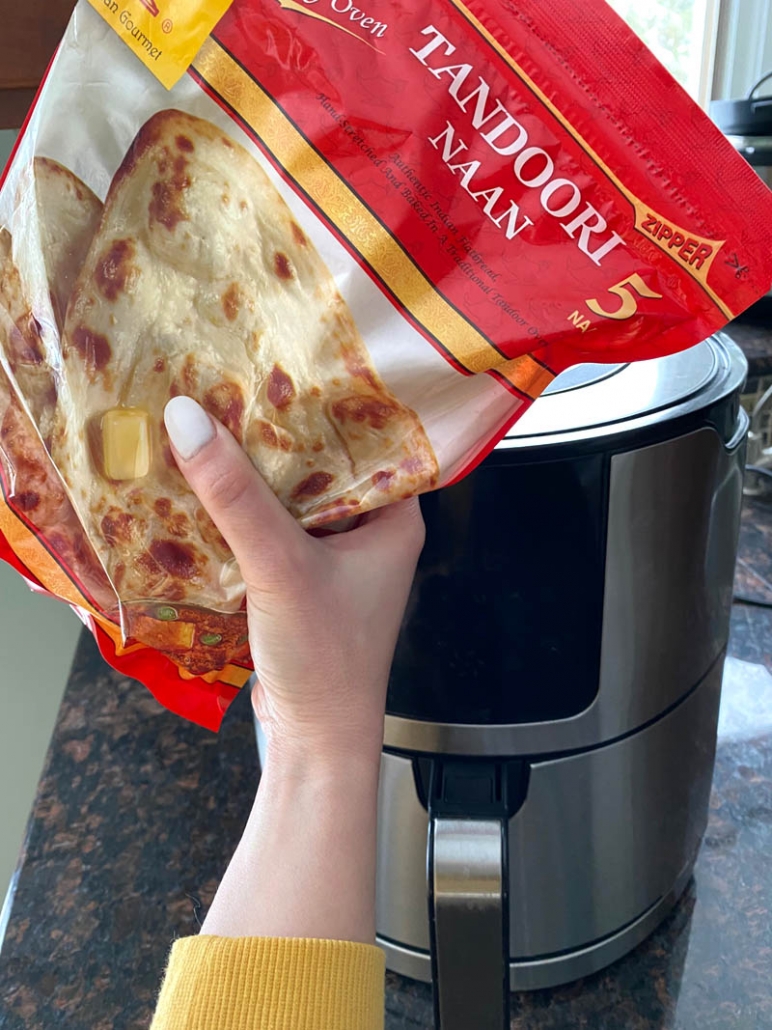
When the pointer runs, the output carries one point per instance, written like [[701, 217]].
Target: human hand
[[324, 612]]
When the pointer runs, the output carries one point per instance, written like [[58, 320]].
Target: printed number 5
[[625, 290]]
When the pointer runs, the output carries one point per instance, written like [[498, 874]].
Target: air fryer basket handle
[[470, 949]]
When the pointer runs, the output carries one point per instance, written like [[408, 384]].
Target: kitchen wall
[[744, 51], [37, 642]]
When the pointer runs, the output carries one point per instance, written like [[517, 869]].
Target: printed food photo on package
[[365, 241]]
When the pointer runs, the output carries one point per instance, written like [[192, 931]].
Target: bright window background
[[715, 48], [681, 34], [744, 51]]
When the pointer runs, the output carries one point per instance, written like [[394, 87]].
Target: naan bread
[[68, 216], [23, 348], [199, 282], [35, 491]]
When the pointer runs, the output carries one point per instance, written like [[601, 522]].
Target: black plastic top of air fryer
[[743, 117], [748, 116], [748, 123]]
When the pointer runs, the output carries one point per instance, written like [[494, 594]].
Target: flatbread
[[68, 216], [200, 282], [23, 348], [34, 490], [68, 213], [31, 484]]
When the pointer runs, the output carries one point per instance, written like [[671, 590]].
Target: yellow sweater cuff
[[271, 983]]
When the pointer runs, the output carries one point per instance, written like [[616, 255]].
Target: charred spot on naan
[[182, 561], [253, 342], [382, 479], [24, 346], [332, 511], [176, 523], [120, 528], [189, 374], [414, 466], [35, 488], [315, 485], [225, 400], [186, 379], [356, 366], [262, 433], [93, 349], [228, 304], [167, 565], [281, 389], [115, 270], [298, 235], [26, 501], [282, 266], [167, 204], [231, 301], [365, 410], [179, 524]]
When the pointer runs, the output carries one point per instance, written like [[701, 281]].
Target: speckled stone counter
[[137, 814]]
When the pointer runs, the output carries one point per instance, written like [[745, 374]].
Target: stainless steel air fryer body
[[552, 712]]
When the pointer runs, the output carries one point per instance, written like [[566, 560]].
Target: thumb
[[253, 521]]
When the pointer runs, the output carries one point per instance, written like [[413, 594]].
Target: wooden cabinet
[[29, 33]]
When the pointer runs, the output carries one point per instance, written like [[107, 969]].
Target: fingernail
[[188, 425]]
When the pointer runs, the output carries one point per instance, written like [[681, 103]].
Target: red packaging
[[497, 191]]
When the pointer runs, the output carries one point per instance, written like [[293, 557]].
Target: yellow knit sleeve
[[271, 983]]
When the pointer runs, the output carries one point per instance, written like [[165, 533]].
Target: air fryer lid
[[591, 400], [751, 116]]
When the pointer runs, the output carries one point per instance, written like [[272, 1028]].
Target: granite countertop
[[138, 812]]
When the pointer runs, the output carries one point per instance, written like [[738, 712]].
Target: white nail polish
[[188, 425]]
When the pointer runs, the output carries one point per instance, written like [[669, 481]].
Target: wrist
[[324, 743], [322, 758]]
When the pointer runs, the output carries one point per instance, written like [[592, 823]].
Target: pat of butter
[[126, 443]]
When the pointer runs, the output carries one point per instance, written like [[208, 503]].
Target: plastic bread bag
[[365, 238]]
